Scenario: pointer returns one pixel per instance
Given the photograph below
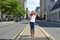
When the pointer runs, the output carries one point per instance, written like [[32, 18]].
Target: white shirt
[[32, 19]]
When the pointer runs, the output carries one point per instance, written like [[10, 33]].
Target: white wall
[[54, 15], [49, 6]]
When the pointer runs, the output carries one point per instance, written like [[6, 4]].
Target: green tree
[[11, 7]]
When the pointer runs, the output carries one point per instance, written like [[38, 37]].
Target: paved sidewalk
[[25, 34], [6, 23]]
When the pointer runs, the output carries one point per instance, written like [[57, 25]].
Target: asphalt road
[[51, 27], [9, 30]]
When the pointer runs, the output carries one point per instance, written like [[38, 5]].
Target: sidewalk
[[25, 34], [6, 22]]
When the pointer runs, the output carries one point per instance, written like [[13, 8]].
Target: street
[[51, 27], [9, 30]]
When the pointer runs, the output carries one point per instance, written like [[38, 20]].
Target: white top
[[32, 19]]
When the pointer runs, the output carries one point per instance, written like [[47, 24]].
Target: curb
[[7, 22], [48, 36], [19, 33]]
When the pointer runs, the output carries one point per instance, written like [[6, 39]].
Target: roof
[[37, 8], [57, 5]]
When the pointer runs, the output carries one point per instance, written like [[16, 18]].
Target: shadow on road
[[48, 24], [25, 36], [24, 23], [28, 37]]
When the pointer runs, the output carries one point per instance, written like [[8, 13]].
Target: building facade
[[55, 13], [45, 7], [50, 5], [41, 7], [23, 2], [58, 0], [38, 11]]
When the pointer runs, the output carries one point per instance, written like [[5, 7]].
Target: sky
[[32, 4], [55, 0]]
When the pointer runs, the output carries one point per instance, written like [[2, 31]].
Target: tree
[[11, 7]]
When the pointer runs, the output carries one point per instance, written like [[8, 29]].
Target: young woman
[[32, 22]]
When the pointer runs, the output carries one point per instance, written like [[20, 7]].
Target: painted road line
[[19, 33], [22, 31], [49, 37], [42, 33]]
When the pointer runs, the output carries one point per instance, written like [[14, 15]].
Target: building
[[26, 13], [38, 11], [45, 7], [46, 3], [50, 5], [41, 7], [23, 2], [58, 0], [55, 13]]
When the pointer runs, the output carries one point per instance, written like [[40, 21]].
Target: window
[[55, 14], [59, 14]]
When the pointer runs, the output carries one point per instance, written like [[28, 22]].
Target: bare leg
[[32, 33]]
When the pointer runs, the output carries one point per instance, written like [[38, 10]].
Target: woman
[[32, 22]]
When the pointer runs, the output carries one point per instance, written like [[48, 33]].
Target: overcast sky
[[32, 4]]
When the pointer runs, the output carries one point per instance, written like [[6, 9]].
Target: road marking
[[19, 33], [23, 31], [47, 34]]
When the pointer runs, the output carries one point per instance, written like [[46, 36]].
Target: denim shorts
[[32, 26]]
